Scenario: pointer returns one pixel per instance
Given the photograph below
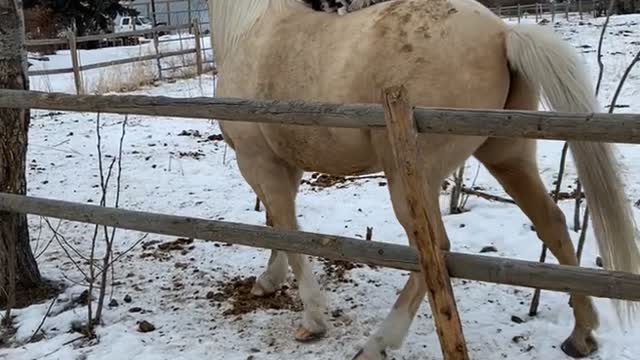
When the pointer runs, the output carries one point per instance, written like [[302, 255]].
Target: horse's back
[[448, 54]]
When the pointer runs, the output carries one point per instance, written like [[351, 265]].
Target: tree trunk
[[19, 272]]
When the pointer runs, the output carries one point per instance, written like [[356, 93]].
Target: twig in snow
[[455, 201], [109, 239], [633, 63], [473, 183], [486, 196], [576, 212], [44, 318], [583, 234]]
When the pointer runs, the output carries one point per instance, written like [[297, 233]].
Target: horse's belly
[[333, 151]]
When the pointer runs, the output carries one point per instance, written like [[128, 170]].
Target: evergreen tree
[[90, 16]]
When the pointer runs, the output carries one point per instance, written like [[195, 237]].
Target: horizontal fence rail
[[619, 128], [599, 283], [112, 63], [81, 39]]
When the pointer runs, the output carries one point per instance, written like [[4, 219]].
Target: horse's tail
[[550, 64]]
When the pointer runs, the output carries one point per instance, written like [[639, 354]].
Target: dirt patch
[[163, 251], [322, 181], [237, 292], [338, 270]]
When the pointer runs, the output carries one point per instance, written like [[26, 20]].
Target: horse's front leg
[[276, 183]]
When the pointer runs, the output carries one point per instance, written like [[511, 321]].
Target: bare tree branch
[[604, 30], [46, 315]]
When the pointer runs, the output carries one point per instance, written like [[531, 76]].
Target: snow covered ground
[[192, 175]]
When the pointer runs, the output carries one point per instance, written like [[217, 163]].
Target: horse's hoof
[[305, 336], [589, 346], [360, 355], [260, 290]]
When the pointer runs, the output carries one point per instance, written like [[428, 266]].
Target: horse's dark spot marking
[[406, 48], [421, 60], [406, 17]]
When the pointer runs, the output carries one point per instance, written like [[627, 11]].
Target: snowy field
[[95, 79], [193, 175]]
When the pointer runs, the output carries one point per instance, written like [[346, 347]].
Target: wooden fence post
[[195, 25], [580, 8], [189, 10], [75, 62], [156, 41], [537, 10], [168, 13], [553, 13], [566, 10], [519, 13], [403, 137]]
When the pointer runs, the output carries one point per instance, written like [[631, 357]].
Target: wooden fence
[[77, 68], [549, 10], [403, 123]]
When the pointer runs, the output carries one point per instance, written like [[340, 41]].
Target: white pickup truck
[[132, 23]]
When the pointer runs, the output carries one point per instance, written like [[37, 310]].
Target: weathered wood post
[[75, 61], [537, 12], [168, 6], [189, 10], [553, 13], [566, 10], [426, 230], [519, 13], [195, 26], [580, 9], [156, 41]]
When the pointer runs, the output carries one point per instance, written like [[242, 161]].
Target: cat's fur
[[342, 7]]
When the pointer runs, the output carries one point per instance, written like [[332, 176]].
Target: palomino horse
[[452, 53]]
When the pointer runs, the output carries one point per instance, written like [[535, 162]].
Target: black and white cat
[[342, 7]]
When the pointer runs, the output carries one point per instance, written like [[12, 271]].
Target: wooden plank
[[41, 42], [621, 128], [50, 72], [111, 63], [426, 232], [568, 279], [136, 59], [75, 62], [196, 34], [100, 37]]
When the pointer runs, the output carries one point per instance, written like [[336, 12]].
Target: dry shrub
[[123, 78]]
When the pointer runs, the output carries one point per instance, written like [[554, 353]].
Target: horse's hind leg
[[276, 183], [513, 163]]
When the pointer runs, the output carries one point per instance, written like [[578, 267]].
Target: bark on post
[[18, 268], [75, 61], [425, 230], [156, 41], [195, 25]]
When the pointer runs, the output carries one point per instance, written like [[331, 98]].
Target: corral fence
[[549, 10], [402, 123], [156, 35], [172, 12]]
